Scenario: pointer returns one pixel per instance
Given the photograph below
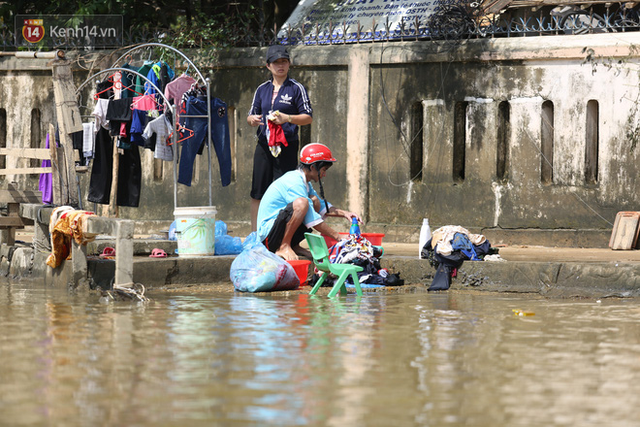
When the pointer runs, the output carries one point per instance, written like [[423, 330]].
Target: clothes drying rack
[[206, 83], [201, 80]]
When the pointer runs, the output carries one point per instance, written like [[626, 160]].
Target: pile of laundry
[[448, 248], [358, 250]]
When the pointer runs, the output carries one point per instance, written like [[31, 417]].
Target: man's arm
[[323, 228]]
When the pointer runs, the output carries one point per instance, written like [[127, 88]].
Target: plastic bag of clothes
[[257, 269]]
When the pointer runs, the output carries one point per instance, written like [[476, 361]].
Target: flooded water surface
[[211, 359]]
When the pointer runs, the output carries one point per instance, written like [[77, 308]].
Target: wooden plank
[[12, 222], [37, 171], [30, 153], [69, 121], [20, 196], [24, 171], [55, 167], [65, 97], [626, 227]]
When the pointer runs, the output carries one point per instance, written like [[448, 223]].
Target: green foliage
[[205, 24]]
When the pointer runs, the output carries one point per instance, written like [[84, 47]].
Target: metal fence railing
[[457, 25]]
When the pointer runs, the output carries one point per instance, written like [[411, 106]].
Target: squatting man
[[291, 207]]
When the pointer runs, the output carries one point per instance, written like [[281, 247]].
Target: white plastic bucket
[[196, 230]]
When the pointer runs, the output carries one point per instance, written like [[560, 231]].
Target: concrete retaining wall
[[418, 131]]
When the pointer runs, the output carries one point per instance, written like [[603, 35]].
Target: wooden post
[[113, 198], [69, 121], [55, 167]]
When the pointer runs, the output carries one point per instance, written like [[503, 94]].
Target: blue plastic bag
[[172, 231], [250, 241], [221, 228], [258, 270], [227, 245]]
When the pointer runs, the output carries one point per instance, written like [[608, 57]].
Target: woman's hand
[[281, 118], [254, 120]]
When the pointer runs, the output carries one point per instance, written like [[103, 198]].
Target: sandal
[[158, 253], [108, 252]]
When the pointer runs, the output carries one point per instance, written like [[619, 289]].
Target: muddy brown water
[[196, 357]]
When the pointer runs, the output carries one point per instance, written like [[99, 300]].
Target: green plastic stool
[[320, 252]]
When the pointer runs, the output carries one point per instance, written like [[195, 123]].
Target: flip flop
[[108, 252], [158, 253]]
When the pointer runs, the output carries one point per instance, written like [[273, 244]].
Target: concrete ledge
[[570, 279], [587, 279]]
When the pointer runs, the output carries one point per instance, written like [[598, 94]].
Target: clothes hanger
[[183, 129], [109, 79], [133, 90]]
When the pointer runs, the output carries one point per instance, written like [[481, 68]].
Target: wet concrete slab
[[553, 272]]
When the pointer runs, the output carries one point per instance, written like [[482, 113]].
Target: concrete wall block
[[481, 143], [525, 141], [22, 262], [6, 251], [438, 141]]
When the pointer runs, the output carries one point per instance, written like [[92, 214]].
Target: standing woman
[[277, 149]]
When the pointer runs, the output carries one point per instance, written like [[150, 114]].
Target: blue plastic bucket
[[196, 230]]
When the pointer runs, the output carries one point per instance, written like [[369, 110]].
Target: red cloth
[[276, 135]]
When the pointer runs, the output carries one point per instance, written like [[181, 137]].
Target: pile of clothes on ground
[[448, 248], [356, 249]]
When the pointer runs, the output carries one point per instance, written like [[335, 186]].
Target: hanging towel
[[88, 139]]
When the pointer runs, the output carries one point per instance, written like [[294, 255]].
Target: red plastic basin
[[301, 267]]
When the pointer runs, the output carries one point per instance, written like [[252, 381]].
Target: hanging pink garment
[[144, 103]]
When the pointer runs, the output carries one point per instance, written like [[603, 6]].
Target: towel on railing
[[66, 223]]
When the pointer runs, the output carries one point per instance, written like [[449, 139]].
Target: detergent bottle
[[425, 235], [355, 228]]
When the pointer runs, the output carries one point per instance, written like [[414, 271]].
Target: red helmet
[[315, 152]]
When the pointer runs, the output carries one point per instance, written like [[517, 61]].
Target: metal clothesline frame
[[206, 83], [170, 107]]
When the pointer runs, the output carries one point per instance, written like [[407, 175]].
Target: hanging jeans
[[196, 106]]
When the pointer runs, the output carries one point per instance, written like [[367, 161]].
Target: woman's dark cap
[[276, 52]]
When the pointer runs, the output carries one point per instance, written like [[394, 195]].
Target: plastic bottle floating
[[522, 312]]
